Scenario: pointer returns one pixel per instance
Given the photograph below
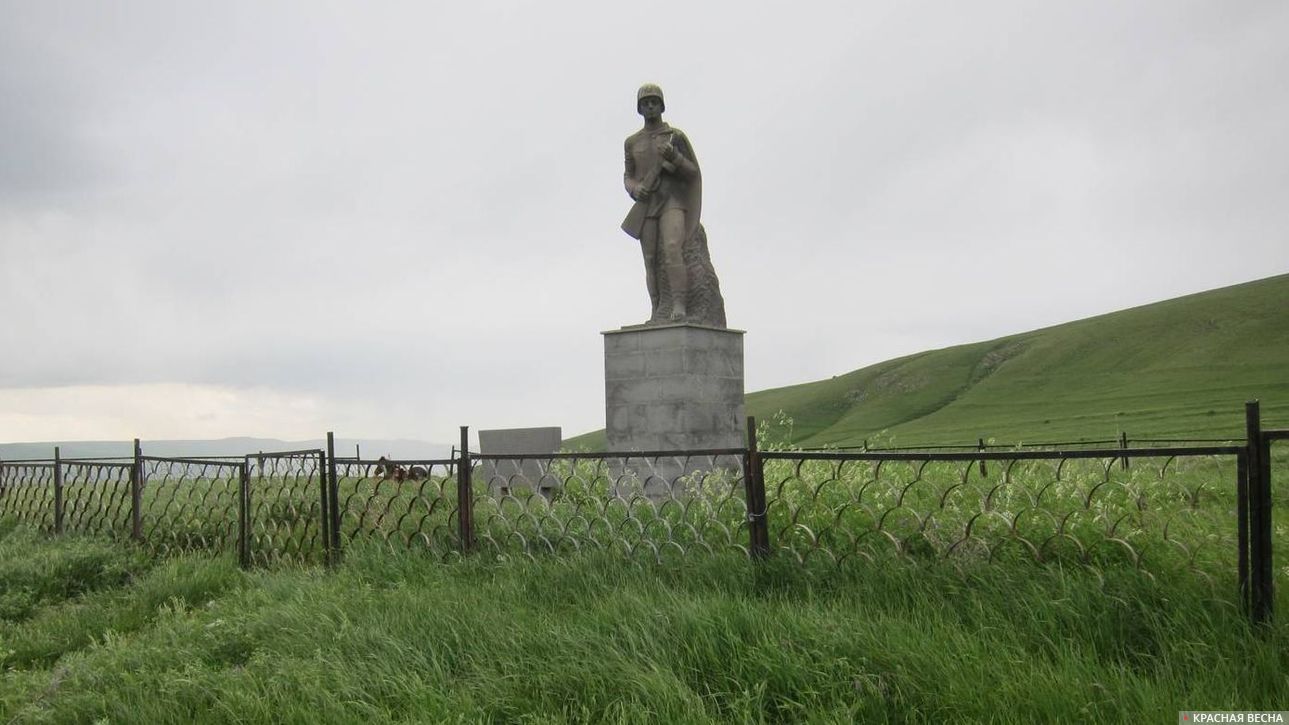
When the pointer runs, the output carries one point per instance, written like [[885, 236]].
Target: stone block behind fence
[[504, 476]]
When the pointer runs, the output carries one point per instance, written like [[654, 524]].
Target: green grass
[[402, 637], [882, 629], [1182, 367], [93, 630]]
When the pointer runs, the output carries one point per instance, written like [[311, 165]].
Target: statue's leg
[[649, 245], [671, 230]]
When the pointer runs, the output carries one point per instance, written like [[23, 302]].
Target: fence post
[[136, 493], [1264, 503], [465, 494], [980, 446], [1123, 444], [1242, 528], [332, 490], [244, 514], [325, 523], [758, 526], [1259, 494], [58, 491]]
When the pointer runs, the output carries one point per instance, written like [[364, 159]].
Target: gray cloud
[[417, 208]]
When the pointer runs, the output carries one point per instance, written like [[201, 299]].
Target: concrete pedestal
[[673, 387]]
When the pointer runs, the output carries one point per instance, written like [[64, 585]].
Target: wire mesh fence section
[[284, 507], [96, 498], [189, 504], [1199, 509], [1164, 512], [27, 494], [651, 506], [412, 504]]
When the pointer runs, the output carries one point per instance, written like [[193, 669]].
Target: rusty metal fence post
[[980, 446], [248, 498], [244, 514], [1242, 528], [758, 525], [1259, 506], [1262, 565], [465, 494], [1123, 443], [58, 491], [335, 499], [325, 519], [331, 489], [136, 493]]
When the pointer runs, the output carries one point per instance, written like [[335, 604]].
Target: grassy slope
[[1179, 367]]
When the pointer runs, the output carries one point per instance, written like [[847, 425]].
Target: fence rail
[[1123, 441], [1203, 507]]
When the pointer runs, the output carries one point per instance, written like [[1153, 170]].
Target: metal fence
[[1123, 442], [1201, 509], [264, 507]]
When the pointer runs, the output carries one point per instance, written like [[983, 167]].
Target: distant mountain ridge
[[370, 448]]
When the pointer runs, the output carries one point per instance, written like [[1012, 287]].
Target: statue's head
[[649, 90]]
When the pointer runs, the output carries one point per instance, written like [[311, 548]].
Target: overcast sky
[[392, 219]]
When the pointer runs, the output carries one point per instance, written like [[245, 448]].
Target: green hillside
[[1182, 367]]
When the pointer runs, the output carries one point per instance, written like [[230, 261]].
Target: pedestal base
[[673, 388]]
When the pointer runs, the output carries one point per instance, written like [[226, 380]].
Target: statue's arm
[[684, 160], [628, 176]]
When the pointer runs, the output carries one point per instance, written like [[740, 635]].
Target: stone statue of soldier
[[663, 178]]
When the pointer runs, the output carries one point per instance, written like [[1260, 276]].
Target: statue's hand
[[642, 193]]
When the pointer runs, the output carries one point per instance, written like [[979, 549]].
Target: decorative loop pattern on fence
[[1164, 512], [652, 505], [1202, 510], [410, 504], [284, 507], [188, 504], [27, 494], [96, 498]]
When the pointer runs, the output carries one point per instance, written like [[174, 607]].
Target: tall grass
[[912, 629], [395, 636]]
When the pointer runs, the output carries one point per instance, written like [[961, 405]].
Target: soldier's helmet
[[647, 90]]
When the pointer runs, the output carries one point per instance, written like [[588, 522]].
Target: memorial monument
[[663, 178], [674, 382]]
